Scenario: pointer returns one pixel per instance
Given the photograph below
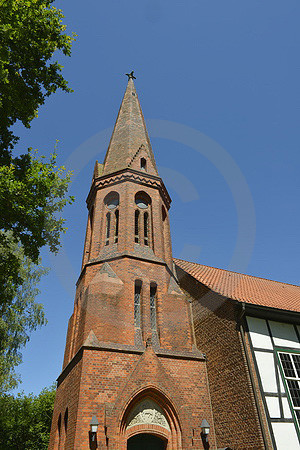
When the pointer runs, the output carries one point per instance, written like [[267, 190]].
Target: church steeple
[[130, 145], [128, 201], [130, 345]]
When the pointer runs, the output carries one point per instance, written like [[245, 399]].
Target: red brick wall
[[104, 382], [235, 413], [99, 381]]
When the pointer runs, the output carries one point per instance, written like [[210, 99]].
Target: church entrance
[[145, 441]]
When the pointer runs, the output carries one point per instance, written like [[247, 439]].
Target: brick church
[[163, 353]]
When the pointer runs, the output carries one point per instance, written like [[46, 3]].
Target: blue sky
[[218, 82]]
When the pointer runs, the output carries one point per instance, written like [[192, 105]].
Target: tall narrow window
[[66, 416], [146, 228], [137, 303], [112, 201], [143, 213], [116, 225], [91, 218], [143, 164], [107, 228], [136, 226], [153, 291]]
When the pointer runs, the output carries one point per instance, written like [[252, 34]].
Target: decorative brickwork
[[130, 339]]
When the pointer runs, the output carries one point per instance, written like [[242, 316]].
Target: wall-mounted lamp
[[205, 427], [94, 427]]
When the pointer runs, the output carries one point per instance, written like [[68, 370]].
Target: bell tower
[[130, 360]]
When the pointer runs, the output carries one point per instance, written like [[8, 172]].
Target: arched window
[[136, 226], [59, 424], [142, 200], [153, 292], [107, 232], [143, 164], [91, 218], [66, 416], [143, 218], [137, 303], [112, 201]]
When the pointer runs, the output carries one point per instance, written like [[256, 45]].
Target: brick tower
[[130, 357]]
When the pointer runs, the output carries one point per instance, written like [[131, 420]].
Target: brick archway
[[170, 432]]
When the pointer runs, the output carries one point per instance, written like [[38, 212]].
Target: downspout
[[241, 330]]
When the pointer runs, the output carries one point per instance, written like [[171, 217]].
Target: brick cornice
[[132, 175], [121, 256], [195, 355]]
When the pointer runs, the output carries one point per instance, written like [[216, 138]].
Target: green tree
[[19, 314], [25, 420], [30, 32], [33, 189]]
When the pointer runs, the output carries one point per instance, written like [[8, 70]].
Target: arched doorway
[[149, 421], [146, 441]]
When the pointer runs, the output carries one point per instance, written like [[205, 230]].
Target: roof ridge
[[239, 273]]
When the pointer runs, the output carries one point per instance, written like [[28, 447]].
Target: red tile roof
[[245, 288]]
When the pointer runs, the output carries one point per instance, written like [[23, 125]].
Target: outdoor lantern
[[205, 428], [94, 427]]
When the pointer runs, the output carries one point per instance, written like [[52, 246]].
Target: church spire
[[130, 145]]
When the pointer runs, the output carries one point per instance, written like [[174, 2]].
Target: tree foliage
[[30, 32], [33, 190], [19, 314], [25, 420]]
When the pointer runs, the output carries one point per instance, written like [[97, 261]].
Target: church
[[163, 353]]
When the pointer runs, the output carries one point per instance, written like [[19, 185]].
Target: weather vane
[[130, 75]]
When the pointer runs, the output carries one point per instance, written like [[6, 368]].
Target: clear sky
[[218, 82]]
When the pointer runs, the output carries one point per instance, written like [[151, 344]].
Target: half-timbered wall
[[276, 352]]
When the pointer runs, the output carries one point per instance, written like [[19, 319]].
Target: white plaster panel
[[259, 333], [284, 334], [266, 368], [285, 436], [273, 407], [286, 408]]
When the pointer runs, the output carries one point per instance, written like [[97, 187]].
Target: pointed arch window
[[112, 201], [153, 294], [137, 303], [91, 219], [143, 219], [66, 417], [144, 164]]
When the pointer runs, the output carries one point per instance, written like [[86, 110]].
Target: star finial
[[130, 75]]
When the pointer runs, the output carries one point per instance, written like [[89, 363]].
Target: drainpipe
[[241, 329]]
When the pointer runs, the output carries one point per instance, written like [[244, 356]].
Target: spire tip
[[130, 75]]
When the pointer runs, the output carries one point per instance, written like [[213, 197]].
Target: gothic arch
[[150, 411]]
